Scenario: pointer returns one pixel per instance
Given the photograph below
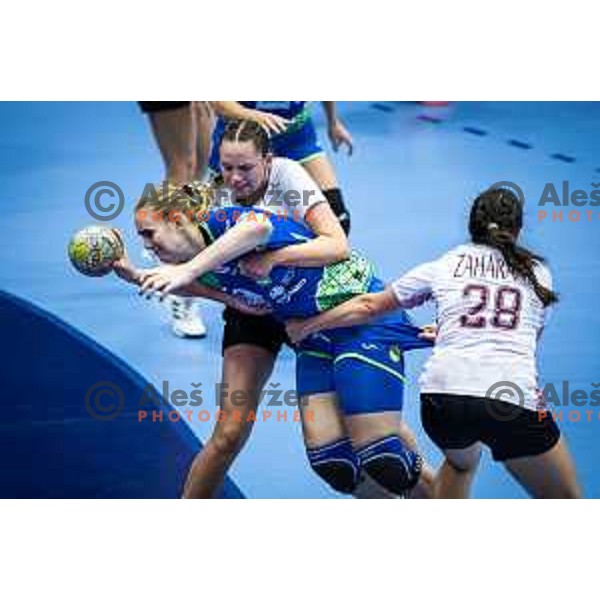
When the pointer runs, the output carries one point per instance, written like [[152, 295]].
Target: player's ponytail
[[496, 220]]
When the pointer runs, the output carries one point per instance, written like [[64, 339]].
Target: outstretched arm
[[237, 241], [131, 274], [357, 311], [338, 134], [197, 289], [412, 289]]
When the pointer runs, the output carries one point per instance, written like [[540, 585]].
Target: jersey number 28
[[506, 303]]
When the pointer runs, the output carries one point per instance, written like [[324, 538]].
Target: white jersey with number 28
[[488, 324]]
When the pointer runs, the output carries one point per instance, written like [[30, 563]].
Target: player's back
[[489, 321]]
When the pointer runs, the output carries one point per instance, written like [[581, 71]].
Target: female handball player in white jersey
[[479, 387]]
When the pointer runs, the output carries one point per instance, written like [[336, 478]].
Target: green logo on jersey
[[395, 353], [344, 280]]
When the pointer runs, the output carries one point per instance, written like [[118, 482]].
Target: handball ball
[[93, 250]]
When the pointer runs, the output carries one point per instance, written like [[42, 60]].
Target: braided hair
[[238, 130], [496, 220]]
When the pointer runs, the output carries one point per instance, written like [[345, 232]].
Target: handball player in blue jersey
[[358, 371]]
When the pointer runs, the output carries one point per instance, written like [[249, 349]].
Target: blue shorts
[[364, 365], [299, 144]]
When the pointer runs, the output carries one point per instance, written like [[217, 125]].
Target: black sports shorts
[[510, 431], [263, 331], [152, 107]]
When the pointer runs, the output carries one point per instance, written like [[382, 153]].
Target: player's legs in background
[[246, 369], [303, 146], [174, 132], [175, 127], [204, 125], [321, 170]]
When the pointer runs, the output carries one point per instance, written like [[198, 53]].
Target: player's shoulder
[[289, 175], [452, 254], [457, 250], [281, 165]]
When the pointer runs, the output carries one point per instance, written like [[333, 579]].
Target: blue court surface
[[409, 186]]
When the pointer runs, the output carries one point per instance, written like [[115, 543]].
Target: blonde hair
[[170, 202]]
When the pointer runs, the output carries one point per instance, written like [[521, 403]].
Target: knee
[[337, 464], [228, 438], [464, 461], [391, 464]]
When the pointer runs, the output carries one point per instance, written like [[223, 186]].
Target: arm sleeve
[[415, 287]]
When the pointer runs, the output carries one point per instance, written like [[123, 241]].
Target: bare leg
[[455, 476], [246, 368], [548, 475], [322, 171], [321, 420], [364, 429], [175, 136], [424, 489], [204, 120]]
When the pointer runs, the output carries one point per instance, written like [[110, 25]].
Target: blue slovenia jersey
[[291, 292]]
